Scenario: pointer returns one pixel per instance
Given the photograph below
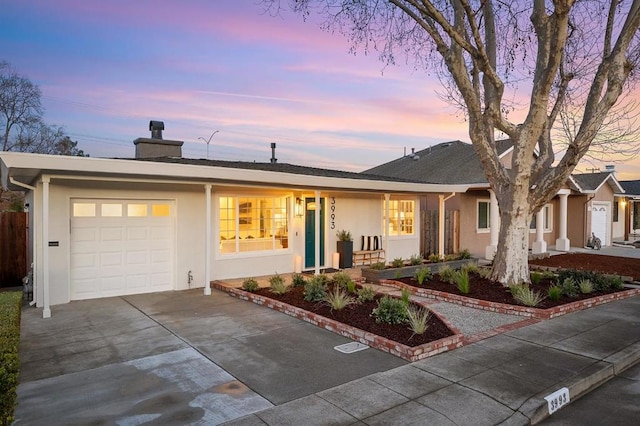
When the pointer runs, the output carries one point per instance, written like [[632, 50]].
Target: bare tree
[[564, 55]]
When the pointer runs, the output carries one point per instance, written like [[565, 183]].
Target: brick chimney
[[155, 146]]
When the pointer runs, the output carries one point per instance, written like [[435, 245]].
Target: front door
[[310, 232]]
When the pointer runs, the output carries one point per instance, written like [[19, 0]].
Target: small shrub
[[447, 274], [462, 281], [450, 257], [390, 311], [554, 293], [435, 258], [341, 279], [297, 280], [398, 275], [315, 289], [418, 319], [525, 295], [405, 297], [415, 260], [536, 277], [423, 274], [366, 294], [377, 266], [398, 262], [471, 268], [484, 272], [250, 285], [464, 254], [585, 286], [338, 299], [351, 286], [616, 283], [569, 287], [10, 305], [277, 285]]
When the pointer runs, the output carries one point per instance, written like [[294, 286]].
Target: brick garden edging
[[408, 353], [504, 308]]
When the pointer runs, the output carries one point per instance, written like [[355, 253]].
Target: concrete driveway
[[174, 358]]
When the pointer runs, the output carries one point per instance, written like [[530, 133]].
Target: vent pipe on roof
[[156, 128], [610, 168], [273, 153]]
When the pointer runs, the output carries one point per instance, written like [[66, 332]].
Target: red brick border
[[504, 308], [405, 352]]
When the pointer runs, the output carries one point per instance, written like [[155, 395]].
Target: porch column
[[387, 200], [441, 225], [46, 312], [207, 239], [494, 227], [539, 245], [317, 232], [563, 243]]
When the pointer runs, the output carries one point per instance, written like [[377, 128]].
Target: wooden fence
[[429, 232], [13, 248]]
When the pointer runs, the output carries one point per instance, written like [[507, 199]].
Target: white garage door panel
[[113, 256], [600, 222]]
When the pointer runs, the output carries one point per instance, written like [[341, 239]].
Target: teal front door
[[310, 232]]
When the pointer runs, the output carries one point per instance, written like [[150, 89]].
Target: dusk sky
[[106, 68]]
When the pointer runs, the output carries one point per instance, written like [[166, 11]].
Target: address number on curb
[[557, 400]]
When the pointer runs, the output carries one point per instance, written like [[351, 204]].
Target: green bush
[[366, 294], [569, 287], [250, 285], [351, 286], [10, 304], [418, 319], [277, 285], [464, 254], [338, 299], [536, 277], [600, 282], [461, 278], [471, 268], [315, 289], [390, 311], [585, 286], [423, 274], [341, 279], [525, 295], [450, 257], [435, 258], [297, 280], [415, 260], [447, 274], [554, 293], [405, 296], [377, 266], [398, 262]]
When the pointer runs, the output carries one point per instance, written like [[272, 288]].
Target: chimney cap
[[156, 125]]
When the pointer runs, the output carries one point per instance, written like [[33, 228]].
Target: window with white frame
[[483, 215], [401, 217], [547, 215], [253, 224]]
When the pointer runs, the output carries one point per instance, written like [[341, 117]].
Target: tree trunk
[[511, 261]]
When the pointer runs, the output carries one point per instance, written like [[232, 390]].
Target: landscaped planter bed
[[389, 273], [440, 337], [501, 300]]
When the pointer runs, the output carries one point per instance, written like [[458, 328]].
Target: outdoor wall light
[[298, 207]]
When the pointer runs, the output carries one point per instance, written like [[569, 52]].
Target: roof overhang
[[27, 168]]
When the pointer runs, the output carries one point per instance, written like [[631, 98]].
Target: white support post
[[207, 238], [563, 243], [46, 312], [387, 202], [317, 233], [494, 227], [539, 245], [441, 225]]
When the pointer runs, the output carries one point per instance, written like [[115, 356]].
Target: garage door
[[600, 223], [121, 247]]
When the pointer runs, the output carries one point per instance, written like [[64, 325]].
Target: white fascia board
[[131, 169]]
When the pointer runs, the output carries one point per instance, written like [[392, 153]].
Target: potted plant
[[345, 248]]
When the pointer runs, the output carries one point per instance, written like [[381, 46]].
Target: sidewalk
[[499, 380]]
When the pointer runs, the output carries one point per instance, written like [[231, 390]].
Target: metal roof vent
[[156, 128], [273, 153]]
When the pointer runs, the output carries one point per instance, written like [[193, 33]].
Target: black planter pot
[[345, 248]]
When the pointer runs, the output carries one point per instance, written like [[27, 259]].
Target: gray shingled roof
[[591, 181], [277, 167], [631, 187], [452, 162]]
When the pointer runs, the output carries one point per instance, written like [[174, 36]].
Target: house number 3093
[[332, 223]]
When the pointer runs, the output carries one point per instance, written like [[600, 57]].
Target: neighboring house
[[583, 206], [626, 216], [107, 227]]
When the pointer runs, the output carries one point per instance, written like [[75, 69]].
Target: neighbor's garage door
[[600, 223], [121, 247]]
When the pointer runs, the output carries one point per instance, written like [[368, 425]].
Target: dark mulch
[[484, 289], [359, 316], [594, 262]]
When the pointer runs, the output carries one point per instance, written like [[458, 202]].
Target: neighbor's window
[[484, 216], [547, 216], [401, 217], [253, 224]]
